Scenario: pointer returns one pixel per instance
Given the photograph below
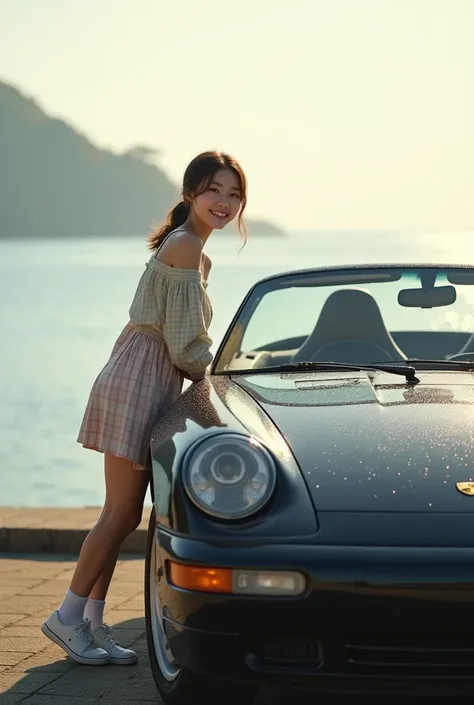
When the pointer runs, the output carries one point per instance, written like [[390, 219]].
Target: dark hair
[[197, 178]]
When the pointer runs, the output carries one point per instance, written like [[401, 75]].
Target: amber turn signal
[[202, 579], [237, 581]]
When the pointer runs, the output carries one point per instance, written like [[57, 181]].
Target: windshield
[[357, 316]]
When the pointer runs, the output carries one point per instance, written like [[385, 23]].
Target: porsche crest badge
[[465, 487]]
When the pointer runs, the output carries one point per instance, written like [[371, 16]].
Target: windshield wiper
[[397, 369], [418, 362]]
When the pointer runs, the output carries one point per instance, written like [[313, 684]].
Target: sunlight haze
[[344, 113]]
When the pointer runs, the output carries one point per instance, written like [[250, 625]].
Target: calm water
[[63, 305]]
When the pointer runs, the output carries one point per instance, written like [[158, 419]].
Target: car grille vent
[[290, 649], [432, 655]]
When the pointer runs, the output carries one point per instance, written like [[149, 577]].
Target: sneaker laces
[[108, 634], [83, 632]]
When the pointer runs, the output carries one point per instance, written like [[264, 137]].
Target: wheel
[[176, 685]]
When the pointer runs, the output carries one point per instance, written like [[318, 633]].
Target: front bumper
[[373, 619]]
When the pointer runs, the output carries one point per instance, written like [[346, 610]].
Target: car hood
[[373, 443]]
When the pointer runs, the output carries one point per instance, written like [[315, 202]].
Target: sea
[[64, 301]]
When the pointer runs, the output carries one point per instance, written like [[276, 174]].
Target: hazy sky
[[344, 113]]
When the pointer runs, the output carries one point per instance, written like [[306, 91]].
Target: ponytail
[[176, 217]]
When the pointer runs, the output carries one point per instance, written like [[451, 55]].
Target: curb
[[19, 540], [58, 530]]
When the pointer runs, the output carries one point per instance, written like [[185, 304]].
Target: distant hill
[[54, 182]]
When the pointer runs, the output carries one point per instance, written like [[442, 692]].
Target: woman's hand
[[196, 377]]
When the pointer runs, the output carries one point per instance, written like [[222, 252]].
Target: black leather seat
[[350, 329]]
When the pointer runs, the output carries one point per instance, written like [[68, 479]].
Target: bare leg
[[101, 587], [122, 513], [124, 496]]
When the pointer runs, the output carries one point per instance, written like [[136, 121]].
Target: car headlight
[[229, 476]]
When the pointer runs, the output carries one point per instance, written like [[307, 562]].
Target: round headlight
[[229, 476]]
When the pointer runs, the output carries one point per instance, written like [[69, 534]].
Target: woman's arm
[[185, 252], [206, 268]]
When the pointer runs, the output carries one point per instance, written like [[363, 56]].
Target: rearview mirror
[[427, 298]]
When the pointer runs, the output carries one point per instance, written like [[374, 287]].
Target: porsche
[[313, 497]]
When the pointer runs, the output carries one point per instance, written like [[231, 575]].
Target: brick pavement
[[33, 669]]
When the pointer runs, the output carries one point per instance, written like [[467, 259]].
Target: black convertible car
[[313, 498]]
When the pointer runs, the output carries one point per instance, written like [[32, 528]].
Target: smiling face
[[220, 203]]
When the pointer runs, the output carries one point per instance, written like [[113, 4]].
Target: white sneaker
[[75, 640], [119, 656]]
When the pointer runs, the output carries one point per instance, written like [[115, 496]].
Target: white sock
[[95, 612], [72, 609]]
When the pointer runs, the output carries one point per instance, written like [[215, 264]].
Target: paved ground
[[34, 670]]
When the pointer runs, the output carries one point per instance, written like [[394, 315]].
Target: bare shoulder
[[183, 250]]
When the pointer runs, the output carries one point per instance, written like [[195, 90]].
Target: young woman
[[165, 340]]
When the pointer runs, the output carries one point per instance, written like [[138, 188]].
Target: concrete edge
[[44, 540]]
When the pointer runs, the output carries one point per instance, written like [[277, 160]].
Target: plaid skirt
[[134, 389]]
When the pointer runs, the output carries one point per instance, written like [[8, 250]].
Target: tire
[[181, 686]]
